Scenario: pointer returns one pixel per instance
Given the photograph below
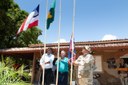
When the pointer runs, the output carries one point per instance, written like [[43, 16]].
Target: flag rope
[[58, 53], [73, 26], [45, 38]]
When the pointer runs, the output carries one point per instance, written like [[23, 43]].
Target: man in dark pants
[[63, 69], [46, 62], [54, 69]]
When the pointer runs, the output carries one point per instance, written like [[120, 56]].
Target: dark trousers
[[54, 75], [63, 78], [48, 77]]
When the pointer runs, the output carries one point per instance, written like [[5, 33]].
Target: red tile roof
[[94, 44], [102, 43]]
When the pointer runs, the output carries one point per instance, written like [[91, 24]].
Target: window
[[98, 63]]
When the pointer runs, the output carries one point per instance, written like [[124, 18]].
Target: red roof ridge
[[84, 42]]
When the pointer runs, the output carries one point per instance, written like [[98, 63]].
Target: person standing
[[63, 69], [123, 75], [85, 65], [54, 69], [46, 62]]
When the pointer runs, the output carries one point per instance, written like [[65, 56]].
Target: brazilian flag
[[51, 14]]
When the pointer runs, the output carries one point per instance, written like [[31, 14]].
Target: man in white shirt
[[46, 62], [85, 65]]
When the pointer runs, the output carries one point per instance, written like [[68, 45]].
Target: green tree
[[11, 17]]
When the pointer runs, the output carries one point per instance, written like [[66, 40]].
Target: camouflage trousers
[[85, 81]]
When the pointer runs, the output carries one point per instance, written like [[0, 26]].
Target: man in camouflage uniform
[[85, 65]]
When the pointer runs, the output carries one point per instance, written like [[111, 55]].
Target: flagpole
[[45, 38], [40, 52], [58, 53], [73, 25]]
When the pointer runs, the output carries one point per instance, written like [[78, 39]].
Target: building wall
[[108, 75]]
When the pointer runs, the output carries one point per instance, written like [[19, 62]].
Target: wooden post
[[33, 68]]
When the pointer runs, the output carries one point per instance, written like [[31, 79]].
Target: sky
[[94, 19]]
